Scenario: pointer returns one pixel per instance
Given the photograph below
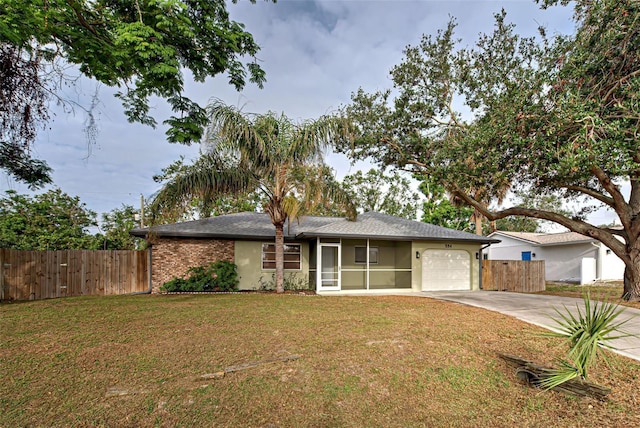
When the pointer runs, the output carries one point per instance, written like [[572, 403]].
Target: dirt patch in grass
[[365, 361]]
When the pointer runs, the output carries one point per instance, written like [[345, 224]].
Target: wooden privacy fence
[[513, 275], [34, 275]]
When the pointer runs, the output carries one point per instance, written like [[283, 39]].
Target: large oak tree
[[556, 115]]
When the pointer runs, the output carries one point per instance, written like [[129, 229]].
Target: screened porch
[[360, 264]]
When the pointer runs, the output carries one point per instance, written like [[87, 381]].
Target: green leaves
[[189, 125], [140, 45], [385, 193], [587, 332], [22, 166], [218, 276], [268, 156], [115, 226], [24, 102], [209, 202], [48, 221], [443, 213]]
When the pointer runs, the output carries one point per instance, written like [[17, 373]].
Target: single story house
[[568, 256], [376, 252]]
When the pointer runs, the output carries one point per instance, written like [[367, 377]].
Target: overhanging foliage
[[141, 47]]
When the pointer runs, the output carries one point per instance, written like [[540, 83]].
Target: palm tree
[[263, 152]]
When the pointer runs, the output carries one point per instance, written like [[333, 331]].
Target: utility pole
[[141, 211]]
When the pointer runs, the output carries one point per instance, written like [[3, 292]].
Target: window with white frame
[[292, 256], [361, 255]]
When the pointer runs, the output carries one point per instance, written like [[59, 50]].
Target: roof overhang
[[545, 244], [195, 235], [307, 235], [517, 238], [555, 244], [144, 233]]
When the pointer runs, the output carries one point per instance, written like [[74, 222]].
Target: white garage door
[[446, 270]]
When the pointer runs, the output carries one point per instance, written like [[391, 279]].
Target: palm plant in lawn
[[587, 332], [267, 153]]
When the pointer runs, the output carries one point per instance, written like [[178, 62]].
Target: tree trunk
[[477, 218], [279, 258], [632, 283], [631, 291]]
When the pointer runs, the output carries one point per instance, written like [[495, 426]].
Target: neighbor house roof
[[250, 225], [547, 238]]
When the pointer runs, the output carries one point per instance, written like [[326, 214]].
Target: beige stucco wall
[[421, 246], [248, 257]]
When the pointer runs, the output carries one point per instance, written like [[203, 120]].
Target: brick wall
[[172, 257]]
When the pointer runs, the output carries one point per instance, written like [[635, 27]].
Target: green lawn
[[365, 361]]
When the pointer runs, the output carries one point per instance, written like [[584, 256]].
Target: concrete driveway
[[537, 309]]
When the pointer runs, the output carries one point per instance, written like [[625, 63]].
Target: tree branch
[[620, 82], [619, 204], [397, 149], [452, 113], [440, 122], [619, 232], [603, 235], [634, 179], [593, 193], [81, 19], [139, 11]]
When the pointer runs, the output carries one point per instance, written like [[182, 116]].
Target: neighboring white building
[[568, 256]]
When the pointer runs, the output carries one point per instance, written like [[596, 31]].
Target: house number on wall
[[448, 245]]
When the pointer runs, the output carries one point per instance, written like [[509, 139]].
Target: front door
[[329, 267]]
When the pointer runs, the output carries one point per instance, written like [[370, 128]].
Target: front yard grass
[[365, 361], [609, 292]]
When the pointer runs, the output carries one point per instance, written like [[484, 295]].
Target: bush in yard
[[176, 284], [226, 275], [291, 283], [218, 276]]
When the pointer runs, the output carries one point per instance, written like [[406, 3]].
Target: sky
[[315, 54]]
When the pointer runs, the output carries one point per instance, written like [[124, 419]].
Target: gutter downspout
[[599, 261], [150, 289], [480, 265]]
